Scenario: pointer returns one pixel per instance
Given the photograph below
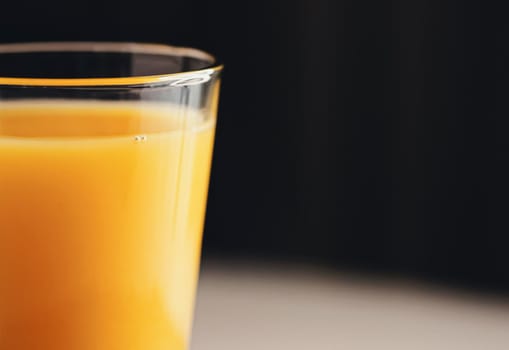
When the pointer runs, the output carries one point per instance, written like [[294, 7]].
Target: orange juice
[[101, 215]]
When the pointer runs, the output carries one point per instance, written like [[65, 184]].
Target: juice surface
[[101, 215]]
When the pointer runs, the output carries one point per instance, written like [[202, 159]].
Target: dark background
[[365, 135]]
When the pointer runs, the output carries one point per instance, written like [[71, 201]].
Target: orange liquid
[[101, 215]]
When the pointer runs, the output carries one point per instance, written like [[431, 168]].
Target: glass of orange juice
[[105, 153]]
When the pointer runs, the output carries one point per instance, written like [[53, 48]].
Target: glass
[[105, 152]]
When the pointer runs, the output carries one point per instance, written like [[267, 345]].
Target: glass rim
[[183, 78]]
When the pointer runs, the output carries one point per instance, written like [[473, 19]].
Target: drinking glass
[[105, 154]]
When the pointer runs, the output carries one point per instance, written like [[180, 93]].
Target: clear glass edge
[[184, 78]]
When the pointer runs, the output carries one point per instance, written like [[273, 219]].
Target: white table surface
[[243, 307]]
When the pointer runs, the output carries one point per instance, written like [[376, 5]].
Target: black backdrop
[[360, 134]]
